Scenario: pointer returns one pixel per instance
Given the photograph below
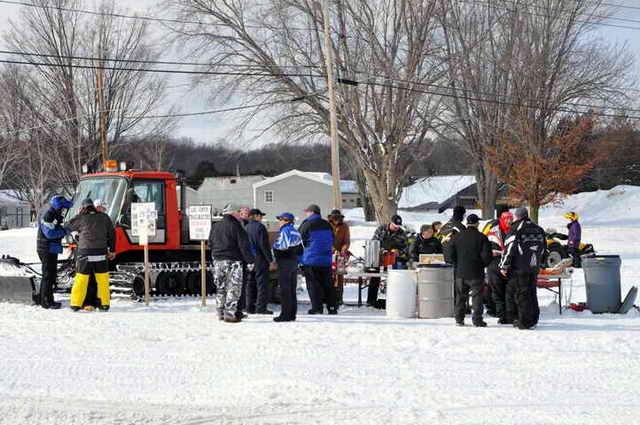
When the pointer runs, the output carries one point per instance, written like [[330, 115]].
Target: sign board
[[143, 220], [199, 222]]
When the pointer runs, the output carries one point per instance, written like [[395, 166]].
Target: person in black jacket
[[521, 262], [230, 250], [471, 253], [392, 237], [96, 245], [258, 280], [49, 245], [426, 243], [450, 229], [287, 249]]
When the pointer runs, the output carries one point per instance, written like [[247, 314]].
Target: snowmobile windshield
[[110, 190]]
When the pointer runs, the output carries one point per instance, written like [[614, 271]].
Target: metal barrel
[[435, 291]]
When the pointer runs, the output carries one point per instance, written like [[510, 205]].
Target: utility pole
[[102, 125], [333, 116]]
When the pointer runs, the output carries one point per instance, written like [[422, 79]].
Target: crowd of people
[[495, 267], [242, 257]]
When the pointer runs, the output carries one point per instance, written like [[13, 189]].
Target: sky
[[210, 128]]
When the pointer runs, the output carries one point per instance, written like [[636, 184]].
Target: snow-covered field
[[172, 363]]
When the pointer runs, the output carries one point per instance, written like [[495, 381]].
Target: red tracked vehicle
[[175, 265]]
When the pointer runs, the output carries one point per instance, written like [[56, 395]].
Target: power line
[[136, 17], [152, 62], [583, 21], [168, 71], [453, 90], [254, 74], [505, 103], [181, 21], [138, 117]]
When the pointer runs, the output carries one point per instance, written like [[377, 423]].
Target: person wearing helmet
[[96, 245], [497, 231], [575, 234], [49, 245]]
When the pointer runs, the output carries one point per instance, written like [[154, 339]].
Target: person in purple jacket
[[575, 234]]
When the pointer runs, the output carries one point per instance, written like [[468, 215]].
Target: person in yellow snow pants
[[86, 266], [95, 247]]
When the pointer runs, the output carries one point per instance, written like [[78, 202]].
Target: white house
[[219, 191], [294, 190], [13, 212]]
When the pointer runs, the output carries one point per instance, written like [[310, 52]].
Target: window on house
[[268, 196]]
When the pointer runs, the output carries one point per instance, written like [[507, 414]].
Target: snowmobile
[[557, 249]]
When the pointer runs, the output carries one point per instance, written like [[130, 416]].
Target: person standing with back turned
[[524, 255], [317, 238], [471, 253]]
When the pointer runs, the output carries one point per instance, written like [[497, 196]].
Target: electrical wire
[[9, 131], [152, 62], [135, 17], [166, 71]]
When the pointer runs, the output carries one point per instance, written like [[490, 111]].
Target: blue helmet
[[59, 202]]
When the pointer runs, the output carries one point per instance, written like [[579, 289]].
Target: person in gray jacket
[[96, 245]]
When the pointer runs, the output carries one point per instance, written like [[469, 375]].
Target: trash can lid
[[629, 300]]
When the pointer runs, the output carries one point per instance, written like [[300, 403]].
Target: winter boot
[[232, 319], [480, 324]]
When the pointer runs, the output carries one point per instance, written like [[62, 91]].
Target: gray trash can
[[602, 281], [435, 291]]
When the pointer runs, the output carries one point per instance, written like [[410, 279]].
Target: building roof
[[227, 180], [435, 189], [346, 186], [9, 196]]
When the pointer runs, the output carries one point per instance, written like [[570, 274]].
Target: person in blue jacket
[[317, 238], [286, 250], [49, 245]]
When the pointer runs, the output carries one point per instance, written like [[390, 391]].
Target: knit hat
[[313, 208], [87, 203], [458, 212], [473, 220], [521, 213]]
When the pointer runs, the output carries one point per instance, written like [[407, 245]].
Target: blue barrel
[[602, 281]]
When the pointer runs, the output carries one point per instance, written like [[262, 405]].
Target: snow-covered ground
[[173, 363]]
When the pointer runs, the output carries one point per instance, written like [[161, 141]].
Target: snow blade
[[16, 282], [629, 300]]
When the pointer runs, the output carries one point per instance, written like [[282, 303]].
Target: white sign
[[143, 220], [199, 222]]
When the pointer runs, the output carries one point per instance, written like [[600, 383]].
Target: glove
[[251, 267]]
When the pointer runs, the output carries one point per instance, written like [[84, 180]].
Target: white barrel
[[401, 294], [435, 292]]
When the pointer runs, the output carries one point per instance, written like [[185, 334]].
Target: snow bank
[[616, 207]]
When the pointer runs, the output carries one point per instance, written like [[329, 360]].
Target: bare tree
[[54, 38], [532, 57], [12, 117], [391, 48]]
